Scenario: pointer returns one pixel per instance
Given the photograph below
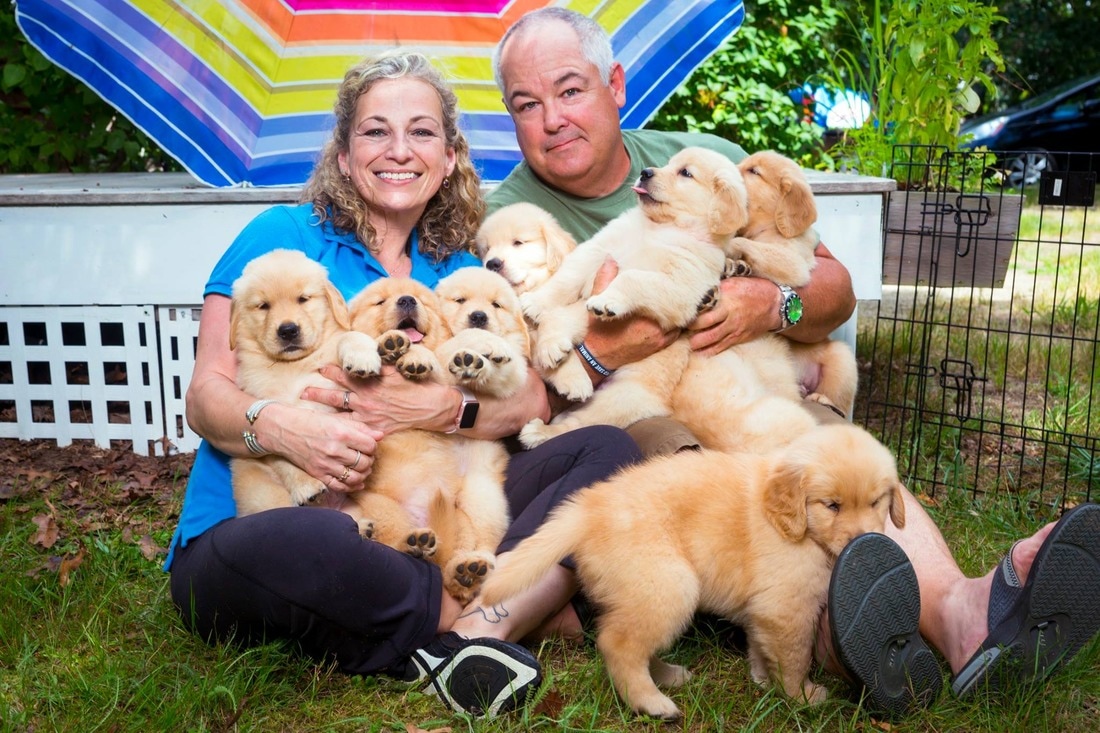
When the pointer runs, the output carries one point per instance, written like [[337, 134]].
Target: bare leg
[[521, 614], [953, 607]]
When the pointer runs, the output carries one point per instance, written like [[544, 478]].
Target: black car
[[1057, 130]]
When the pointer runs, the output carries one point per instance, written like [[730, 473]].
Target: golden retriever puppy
[[525, 244], [433, 495], [490, 348], [778, 244], [749, 537], [286, 321], [671, 251], [778, 241]]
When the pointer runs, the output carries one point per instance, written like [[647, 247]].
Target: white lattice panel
[[81, 373], [179, 331]]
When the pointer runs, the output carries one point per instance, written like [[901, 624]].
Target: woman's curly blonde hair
[[453, 214]]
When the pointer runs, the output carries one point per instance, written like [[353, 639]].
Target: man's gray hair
[[595, 43]]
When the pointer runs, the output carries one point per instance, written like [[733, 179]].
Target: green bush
[[742, 91], [53, 122]]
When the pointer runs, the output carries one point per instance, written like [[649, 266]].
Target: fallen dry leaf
[[68, 565], [48, 531], [150, 550]]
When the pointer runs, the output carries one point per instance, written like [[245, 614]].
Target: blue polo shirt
[[351, 267]]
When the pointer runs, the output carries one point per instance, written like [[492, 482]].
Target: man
[[889, 593]]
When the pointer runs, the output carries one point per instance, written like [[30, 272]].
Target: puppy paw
[[366, 528], [392, 345], [420, 543], [709, 300], [531, 306], [550, 353], [465, 574], [606, 306], [417, 364], [814, 693], [358, 354], [736, 268], [534, 433], [307, 495], [469, 366]]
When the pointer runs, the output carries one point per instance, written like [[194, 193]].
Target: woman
[[394, 194]]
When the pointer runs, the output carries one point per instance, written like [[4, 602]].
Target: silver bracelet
[[253, 444], [593, 361], [253, 411]]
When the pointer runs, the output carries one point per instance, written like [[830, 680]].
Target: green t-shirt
[[583, 217]]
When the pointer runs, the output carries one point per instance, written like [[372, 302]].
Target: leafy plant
[[53, 122], [741, 92], [918, 63]]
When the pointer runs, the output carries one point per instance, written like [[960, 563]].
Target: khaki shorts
[[661, 436]]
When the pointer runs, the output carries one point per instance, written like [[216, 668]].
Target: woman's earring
[[446, 183]]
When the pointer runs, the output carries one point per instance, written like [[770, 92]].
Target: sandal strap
[[1007, 588]]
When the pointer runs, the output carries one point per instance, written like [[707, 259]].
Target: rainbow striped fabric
[[241, 91]]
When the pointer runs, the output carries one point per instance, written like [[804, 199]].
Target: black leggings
[[304, 573]]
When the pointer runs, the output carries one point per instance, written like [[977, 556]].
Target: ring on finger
[[358, 455], [347, 397], [345, 474]]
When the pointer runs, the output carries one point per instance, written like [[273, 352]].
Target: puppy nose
[[494, 264], [647, 173], [406, 303], [478, 319], [288, 331]]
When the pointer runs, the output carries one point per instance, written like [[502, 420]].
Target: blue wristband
[[592, 361]]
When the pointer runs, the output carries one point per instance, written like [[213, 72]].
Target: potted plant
[[921, 64]]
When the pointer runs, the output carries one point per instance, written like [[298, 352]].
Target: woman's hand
[[334, 448]]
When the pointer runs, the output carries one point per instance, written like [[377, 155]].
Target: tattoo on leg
[[494, 615]]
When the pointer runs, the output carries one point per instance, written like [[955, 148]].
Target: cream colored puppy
[[490, 348], [525, 244], [671, 252], [286, 321], [778, 243], [432, 495], [749, 537]]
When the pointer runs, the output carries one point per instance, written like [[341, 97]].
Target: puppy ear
[[797, 210], [338, 306], [559, 243], [729, 211], [235, 311], [897, 506], [785, 501]]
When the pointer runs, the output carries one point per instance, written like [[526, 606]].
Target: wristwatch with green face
[[790, 310]]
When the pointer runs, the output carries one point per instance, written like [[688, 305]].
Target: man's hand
[[747, 307]]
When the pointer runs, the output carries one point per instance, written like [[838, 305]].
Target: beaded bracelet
[[592, 361]]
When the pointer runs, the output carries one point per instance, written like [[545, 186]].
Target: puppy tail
[[533, 557]]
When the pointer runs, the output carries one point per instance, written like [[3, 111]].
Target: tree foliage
[[742, 91], [52, 122]]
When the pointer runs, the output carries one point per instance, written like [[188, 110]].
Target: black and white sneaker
[[482, 677]]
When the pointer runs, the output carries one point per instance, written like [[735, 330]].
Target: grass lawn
[[89, 640]]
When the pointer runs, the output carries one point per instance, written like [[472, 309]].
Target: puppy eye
[[685, 173], [517, 243], [263, 306], [303, 299], [832, 506], [754, 170], [380, 302], [496, 304]]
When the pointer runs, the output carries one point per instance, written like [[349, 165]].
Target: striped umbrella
[[241, 91]]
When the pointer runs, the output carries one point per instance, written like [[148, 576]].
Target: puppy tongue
[[414, 335], [640, 191]]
